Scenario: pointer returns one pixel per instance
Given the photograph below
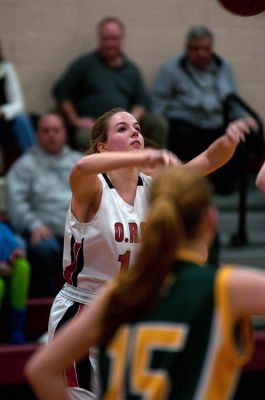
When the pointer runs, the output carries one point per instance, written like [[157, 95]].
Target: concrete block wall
[[42, 36]]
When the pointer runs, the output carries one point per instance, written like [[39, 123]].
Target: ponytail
[[175, 194]]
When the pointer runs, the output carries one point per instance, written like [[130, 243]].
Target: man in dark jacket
[[190, 91], [104, 79]]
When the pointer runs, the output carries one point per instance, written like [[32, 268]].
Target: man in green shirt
[[104, 79]]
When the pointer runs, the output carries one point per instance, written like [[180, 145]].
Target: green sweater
[[94, 87]]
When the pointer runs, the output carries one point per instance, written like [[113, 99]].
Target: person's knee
[[155, 128], [2, 290], [22, 267], [21, 119], [161, 122], [83, 139], [45, 258], [155, 121]]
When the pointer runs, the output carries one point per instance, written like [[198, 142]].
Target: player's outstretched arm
[[84, 174], [223, 148], [246, 288]]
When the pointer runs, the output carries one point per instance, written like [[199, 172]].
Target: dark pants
[[187, 141], [46, 266], [16, 137]]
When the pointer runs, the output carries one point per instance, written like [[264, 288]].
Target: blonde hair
[[99, 132], [179, 199]]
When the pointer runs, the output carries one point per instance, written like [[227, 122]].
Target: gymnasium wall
[[42, 36]]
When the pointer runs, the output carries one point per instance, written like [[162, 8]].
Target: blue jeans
[[46, 266], [23, 131]]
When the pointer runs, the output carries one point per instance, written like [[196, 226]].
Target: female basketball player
[[106, 219], [170, 328]]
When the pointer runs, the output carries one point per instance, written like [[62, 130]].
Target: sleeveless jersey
[[96, 251], [185, 349]]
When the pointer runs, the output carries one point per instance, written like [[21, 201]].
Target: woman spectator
[[13, 119]]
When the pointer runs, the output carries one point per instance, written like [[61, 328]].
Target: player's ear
[[101, 147]]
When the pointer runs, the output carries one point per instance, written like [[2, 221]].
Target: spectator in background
[[104, 79], [38, 197], [190, 91], [15, 267], [13, 119]]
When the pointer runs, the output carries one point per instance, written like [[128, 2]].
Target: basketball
[[244, 7]]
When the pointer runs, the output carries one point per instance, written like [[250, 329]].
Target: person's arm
[[138, 111], [74, 118], [228, 83], [15, 101], [70, 111], [239, 295], [69, 86], [8, 242], [246, 287], [139, 98], [45, 368], [223, 148], [84, 174], [260, 180], [8, 248], [18, 189], [162, 91]]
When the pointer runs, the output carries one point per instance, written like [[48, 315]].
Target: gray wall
[[42, 36]]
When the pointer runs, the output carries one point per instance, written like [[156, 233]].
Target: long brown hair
[[99, 132], [179, 198]]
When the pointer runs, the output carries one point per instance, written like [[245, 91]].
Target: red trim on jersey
[[70, 269], [71, 376]]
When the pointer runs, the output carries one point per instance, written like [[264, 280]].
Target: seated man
[[190, 91], [38, 196], [104, 79]]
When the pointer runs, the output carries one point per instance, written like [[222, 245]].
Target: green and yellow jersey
[[187, 348]]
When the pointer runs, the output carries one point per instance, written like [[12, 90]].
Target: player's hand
[[5, 268], [40, 233], [156, 159], [85, 123], [237, 130], [17, 253]]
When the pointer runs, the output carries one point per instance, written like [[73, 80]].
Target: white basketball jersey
[[96, 251]]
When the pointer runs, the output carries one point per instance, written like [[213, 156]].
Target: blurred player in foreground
[[170, 327], [107, 214]]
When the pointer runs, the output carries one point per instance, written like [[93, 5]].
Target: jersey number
[[124, 259], [152, 384]]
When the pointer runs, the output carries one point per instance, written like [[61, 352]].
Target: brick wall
[[42, 36]]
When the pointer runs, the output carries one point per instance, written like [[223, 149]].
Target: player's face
[[124, 133], [199, 52], [51, 134], [110, 40]]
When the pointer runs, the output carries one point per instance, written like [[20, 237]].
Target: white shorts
[[81, 378]]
